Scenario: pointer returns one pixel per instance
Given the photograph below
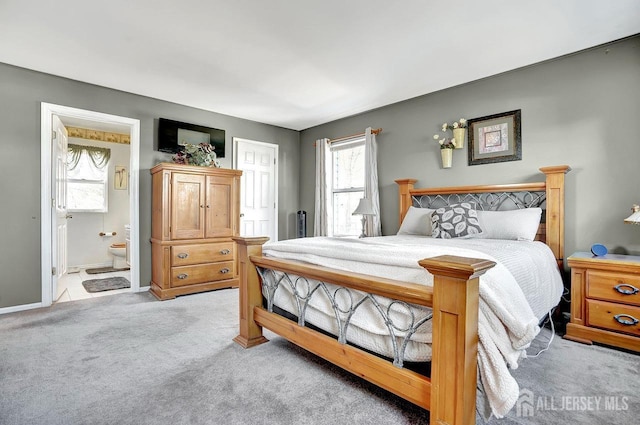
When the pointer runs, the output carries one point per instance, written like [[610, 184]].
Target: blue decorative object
[[598, 250]]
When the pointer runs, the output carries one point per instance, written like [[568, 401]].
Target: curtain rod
[[339, 139]]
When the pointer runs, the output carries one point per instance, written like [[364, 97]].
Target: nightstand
[[605, 300]]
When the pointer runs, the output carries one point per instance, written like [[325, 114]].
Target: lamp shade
[[364, 207], [634, 218]]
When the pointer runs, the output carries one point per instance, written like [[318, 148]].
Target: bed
[[440, 318]]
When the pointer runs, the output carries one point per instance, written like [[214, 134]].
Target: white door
[[48, 231], [258, 189], [59, 203]]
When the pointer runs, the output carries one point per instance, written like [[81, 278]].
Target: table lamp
[[634, 218], [364, 209]]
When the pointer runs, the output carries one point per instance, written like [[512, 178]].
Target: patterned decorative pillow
[[455, 221]]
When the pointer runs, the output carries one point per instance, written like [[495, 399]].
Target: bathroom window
[[87, 178]]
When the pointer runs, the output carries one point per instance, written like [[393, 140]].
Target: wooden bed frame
[[450, 393]]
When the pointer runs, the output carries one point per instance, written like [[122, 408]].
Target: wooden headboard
[[548, 195]]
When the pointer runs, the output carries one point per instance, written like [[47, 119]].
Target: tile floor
[[70, 286]]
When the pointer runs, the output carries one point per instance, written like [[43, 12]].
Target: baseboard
[[16, 308]]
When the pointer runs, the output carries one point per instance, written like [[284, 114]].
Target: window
[[347, 186], [87, 178]]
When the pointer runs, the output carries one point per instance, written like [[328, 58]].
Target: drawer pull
[[183, 276], [225, 252], [183, 255], [631, 291], [626, 319], [225, 270]]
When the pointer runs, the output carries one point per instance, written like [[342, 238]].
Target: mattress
[[529, 269]]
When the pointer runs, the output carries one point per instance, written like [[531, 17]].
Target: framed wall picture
[[495, 138], [120, 178]]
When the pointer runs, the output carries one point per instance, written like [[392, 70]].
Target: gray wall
[[581, 110], [22, 91]]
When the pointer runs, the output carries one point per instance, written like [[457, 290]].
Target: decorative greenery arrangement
[[445, 143], [202, 155], [461, 123]]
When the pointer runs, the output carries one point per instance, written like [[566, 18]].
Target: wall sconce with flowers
[[446, 149], [459, 129], [447, 145]]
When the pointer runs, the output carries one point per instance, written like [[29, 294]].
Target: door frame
[[47, 111], [238, 140]]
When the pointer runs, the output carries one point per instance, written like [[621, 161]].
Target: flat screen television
[[172, 135]]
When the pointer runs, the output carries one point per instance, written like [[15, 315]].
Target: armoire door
[[187, 206], [220, 208]]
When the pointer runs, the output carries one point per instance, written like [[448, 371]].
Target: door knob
[[241, 214]]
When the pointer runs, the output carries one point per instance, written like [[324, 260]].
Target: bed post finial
[[250, 291], [454, 350], [555, 209], [405, 188]]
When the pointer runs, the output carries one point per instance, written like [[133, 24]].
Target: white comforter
[[523, 286]]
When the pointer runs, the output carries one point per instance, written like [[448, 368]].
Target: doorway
[[258, 187], [49, 233]]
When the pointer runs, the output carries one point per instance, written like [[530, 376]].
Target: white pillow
[[417, 221], [519, 225]]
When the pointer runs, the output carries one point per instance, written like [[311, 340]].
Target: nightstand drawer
[[612, 286], [615, 317]]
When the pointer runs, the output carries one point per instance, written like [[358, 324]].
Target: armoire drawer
[[189, 275], [184, 255]]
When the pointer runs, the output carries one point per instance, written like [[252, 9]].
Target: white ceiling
[[296, 63]]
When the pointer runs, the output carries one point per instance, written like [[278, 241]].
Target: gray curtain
[[321, 216], [373, 227]]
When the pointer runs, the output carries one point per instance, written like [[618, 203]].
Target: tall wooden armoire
[[196, 212]]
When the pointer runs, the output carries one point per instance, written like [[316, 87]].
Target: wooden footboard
[[450, 393]]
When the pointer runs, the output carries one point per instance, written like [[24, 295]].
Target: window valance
[[98, 156]]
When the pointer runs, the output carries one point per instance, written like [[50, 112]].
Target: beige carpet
[[130, 359]]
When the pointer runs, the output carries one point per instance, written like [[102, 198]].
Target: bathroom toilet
[[119, 252]]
